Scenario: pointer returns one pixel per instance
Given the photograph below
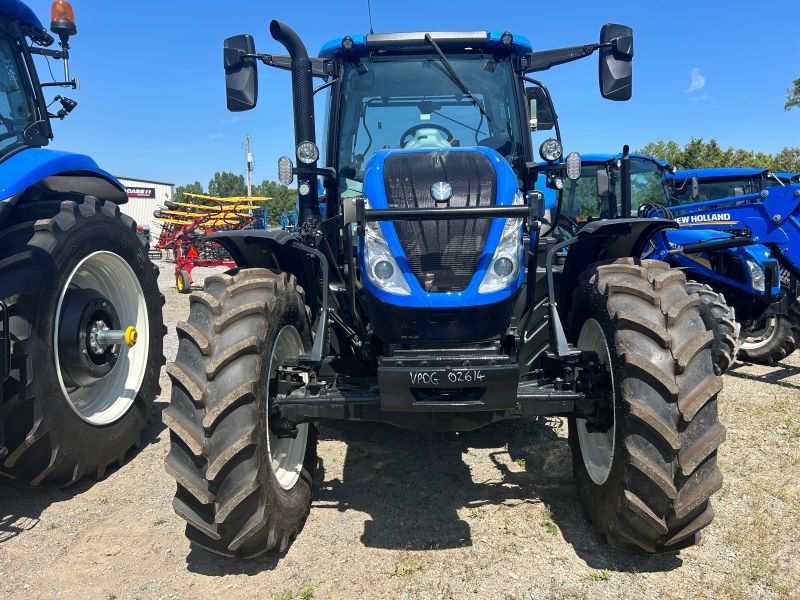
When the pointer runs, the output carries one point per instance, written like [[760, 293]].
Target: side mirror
[[616, 62], [695, 188], [540, 109], [241, 72], [603, 183]]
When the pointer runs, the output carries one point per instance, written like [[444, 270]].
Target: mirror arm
[[544, 59], [57, 54], [319, 66]]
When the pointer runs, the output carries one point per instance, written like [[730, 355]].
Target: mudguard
[[55, 171], [601, 240]]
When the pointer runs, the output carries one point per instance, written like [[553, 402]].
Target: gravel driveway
[[488, 514]]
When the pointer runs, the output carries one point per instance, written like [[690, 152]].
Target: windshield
[[16, 105], [581, 202], [715, 189], [412, 102]]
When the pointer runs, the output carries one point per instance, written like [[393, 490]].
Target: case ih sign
[[141, 192]]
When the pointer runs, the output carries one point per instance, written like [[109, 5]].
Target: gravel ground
[[489, 514]]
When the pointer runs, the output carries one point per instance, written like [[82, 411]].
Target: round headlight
[[304, 189], [550, 150], [503, 266], [307, 152], [506, 39], [347, 42], [383, 270]]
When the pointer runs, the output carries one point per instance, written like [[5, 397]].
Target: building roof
[[139, 179]]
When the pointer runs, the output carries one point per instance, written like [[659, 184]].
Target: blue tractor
[[765, 207], [81, 340], [729, 270], [429, 294]]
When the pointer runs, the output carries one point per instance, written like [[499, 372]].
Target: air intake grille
[[443, 254]]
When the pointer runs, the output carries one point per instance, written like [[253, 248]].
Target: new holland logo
[[441, 191], [720, 218]]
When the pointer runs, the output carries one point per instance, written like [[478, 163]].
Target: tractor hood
[[443, 262]]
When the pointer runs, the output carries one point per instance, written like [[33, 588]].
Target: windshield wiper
[[454, 76]]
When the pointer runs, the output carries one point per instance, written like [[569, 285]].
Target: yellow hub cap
[[131, 336]]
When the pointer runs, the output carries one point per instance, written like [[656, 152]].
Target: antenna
[[369, 9]]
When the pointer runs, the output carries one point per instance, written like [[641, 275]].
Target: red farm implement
[[185, 225]]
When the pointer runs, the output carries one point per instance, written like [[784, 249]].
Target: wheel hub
[[85, 359]]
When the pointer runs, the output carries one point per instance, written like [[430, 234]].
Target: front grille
[[443, 254]]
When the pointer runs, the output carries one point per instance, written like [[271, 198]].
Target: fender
[[54, 171], [606, 239], [278, 249]]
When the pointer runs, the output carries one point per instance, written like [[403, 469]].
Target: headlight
[[550, 150], [507, 259], [757, 278], [380, 264], [307, 152]]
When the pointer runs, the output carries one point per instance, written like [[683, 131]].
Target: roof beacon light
[[507, 38], [62, 19]]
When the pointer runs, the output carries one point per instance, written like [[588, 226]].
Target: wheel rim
[[110, 398], [179, 282], [286, 454], [757, 338], [597, 448]]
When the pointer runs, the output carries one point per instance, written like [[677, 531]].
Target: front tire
[[242, 489], [61, 423], [645, 483], [721, 319], [773, 339]]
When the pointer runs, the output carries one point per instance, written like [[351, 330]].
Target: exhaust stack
[[303, 105]]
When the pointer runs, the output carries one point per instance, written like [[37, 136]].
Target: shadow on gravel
[[777, 377], [21, 505], [413, 485]]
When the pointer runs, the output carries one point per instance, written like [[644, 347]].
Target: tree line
[[699, 154], [230, 185]]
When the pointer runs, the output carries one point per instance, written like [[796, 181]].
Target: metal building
[[144, 196]]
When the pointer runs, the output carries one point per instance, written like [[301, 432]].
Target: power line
[[672, 118]]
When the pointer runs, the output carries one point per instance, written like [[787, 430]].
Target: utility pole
[[249, 158]]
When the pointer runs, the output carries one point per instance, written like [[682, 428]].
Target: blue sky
[[152, 103]]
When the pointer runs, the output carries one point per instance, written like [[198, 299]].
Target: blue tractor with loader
[[81, 339], [764, 207], [430, 294], [737, 278]]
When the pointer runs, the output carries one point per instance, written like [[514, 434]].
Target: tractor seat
[[428, 137]]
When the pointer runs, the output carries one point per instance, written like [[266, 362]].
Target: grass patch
[[307, 592], [103, 501], [550, 527], [406, 568], [283, 596], [159, 521], [601, 575], [520, 463]]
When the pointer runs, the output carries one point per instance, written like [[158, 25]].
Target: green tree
[[227, 185], [793, 95], [190, 188], [787, 159], [283, 199]]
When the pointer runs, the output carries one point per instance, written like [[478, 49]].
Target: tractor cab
[[702, 185]]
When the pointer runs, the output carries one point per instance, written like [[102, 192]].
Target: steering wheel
[[415, 128]]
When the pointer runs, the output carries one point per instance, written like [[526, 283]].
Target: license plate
[[447, 378]]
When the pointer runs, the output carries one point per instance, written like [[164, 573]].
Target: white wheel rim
[[109, 399], [758, 338], [597, 448], [286, 454]]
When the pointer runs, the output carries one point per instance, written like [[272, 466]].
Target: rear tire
[[721, 319], [54, 432], [242, 490], [659, 467]]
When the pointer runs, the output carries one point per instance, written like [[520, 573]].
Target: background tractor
[[757, 204], [430, 294], [81, 343]]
